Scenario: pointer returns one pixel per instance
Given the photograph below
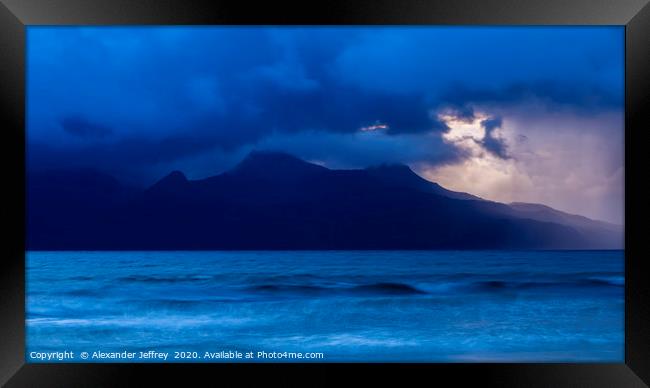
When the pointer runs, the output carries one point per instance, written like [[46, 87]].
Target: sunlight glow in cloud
[[374, 127], [464, 133], [556, 158]]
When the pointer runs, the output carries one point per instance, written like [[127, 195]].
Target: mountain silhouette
[[273, 200]]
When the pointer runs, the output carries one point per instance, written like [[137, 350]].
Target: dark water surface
[[404, 306]]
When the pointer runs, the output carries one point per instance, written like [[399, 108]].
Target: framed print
[[301, 196]]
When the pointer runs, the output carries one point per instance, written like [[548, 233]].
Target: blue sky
[[510, 113]]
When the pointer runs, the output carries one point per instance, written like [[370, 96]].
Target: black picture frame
[[15, 15]]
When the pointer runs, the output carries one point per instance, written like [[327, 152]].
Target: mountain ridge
[[277, 201]]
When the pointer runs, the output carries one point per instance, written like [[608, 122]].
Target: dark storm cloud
[[492, 143], [492, 124], [578, 97], [78, 126], [129, 98], [341, 109], [463, 112]]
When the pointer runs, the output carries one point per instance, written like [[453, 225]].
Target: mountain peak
[[265, 156], [172, 180], [396, 173], [394, 168], [275, 164]]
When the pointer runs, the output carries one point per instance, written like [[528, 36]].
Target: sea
[[325, 306]]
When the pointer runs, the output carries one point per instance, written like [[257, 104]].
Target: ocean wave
[[82, 278], [146, 321], [164, 279], [381, 288], [432, 288], [608, 280], [83, 292], [520, 285], [350, 340], [389, 288]]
